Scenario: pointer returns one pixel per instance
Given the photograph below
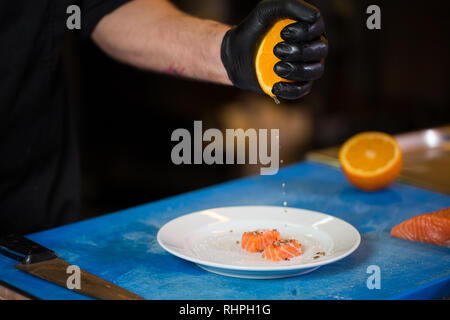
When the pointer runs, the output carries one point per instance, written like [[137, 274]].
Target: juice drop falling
[[276, 100], [283, 186]]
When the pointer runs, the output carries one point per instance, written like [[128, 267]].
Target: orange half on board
[[265, 58], [371, 160]]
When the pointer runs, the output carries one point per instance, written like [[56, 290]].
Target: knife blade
[[45, 264]]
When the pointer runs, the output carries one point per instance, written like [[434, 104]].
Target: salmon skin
[[431, 227], [256, 241], [282, 250]]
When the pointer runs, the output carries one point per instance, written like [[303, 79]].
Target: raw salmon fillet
[[256, 241], [282, 250], [431, 227]]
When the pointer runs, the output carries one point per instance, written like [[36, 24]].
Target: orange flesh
[[371, 160], [370, 154], [265, 58]]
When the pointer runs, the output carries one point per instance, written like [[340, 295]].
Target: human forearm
[[154, 35]]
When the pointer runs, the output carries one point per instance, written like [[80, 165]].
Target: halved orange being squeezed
[[265, 58], [371, 160]]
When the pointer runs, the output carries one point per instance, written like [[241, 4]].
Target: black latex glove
[[302, 53]]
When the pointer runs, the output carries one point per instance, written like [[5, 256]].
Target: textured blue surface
[[122, 247]]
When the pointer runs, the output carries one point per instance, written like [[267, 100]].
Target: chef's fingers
[[306, 51], [299, 71], [291, 91], [303, 31]]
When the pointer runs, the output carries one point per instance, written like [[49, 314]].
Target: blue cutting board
[[122, 248]]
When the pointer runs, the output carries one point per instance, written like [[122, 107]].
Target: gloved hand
[[302, 53]]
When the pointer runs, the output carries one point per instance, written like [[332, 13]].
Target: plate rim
[[260, 268]]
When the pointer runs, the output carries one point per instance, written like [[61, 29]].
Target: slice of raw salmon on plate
[[258, 240]]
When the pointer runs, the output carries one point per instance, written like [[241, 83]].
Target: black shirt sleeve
[[93, 10]]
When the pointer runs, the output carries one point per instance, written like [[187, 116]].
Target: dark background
[[395, 80]]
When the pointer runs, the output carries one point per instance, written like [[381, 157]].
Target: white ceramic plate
[[210, 238]]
